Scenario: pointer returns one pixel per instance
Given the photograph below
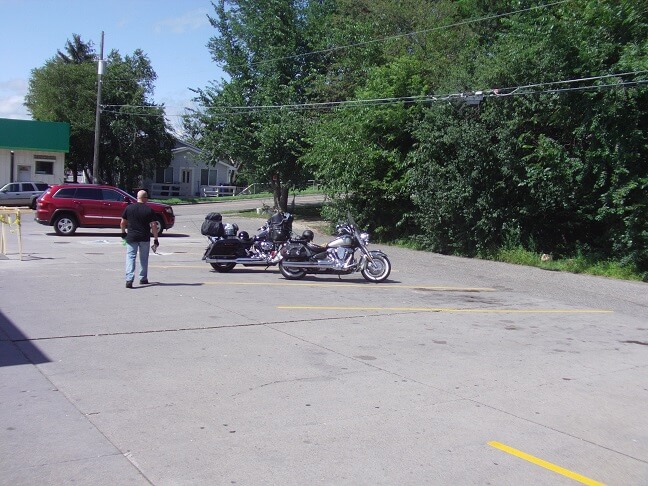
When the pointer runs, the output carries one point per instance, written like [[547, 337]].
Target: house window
[[208, 177], [185, 175], [164, 175], [44, 164]]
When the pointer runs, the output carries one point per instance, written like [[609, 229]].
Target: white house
[[190, 175], [33, 151]]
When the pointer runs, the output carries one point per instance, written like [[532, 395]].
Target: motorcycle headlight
[[364, 237]]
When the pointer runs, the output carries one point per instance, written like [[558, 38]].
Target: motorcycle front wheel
[[378, 270], [291, 273], [223, 267]]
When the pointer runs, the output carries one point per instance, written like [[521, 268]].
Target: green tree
[[261, 45], [77, 51], [135, 138], [553, 158], [64, 89], [134, 135], [395, 53], [565, 161]]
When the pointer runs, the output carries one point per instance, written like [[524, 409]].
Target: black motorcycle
[[228, 247], [338, 257]]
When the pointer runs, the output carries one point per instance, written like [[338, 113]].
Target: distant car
[[67, 207], [22, 193]]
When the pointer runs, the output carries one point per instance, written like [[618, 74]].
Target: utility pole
[[100, 69]]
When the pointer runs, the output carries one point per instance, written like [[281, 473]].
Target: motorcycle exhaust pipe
[[238, 261], [321, 264]]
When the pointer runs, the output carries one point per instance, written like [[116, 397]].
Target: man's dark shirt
[[139, 217]]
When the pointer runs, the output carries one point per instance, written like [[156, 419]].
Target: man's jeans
[[131, 254]]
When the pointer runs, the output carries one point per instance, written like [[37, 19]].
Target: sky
[[172, 33]]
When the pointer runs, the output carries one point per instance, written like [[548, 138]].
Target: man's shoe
[[144, 281], [129, 284]]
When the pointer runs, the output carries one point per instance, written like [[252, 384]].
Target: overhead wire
[[529, 89], [398, 36], [327, 105]]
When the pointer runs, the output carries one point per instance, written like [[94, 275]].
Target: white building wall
[[25, 158], [186, 160]]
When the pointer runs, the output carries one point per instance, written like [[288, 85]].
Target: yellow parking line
[[448, 309], [545, 464]]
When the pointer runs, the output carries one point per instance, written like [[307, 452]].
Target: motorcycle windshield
[[356, 231], [351, 220]]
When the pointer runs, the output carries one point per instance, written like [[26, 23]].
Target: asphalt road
[[454, 372]]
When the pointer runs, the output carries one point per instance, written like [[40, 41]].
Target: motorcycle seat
[[316, 248]]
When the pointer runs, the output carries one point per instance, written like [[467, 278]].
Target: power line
[[367, 102], [529, 89]]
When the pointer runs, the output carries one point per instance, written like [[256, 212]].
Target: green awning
[[34, 135]]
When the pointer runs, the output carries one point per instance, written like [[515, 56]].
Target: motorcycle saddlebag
[[226, 248], [294, 251], [280, 226], [212, 226]]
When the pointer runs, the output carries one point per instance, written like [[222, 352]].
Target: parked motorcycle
[[346, 254], [228, 247]]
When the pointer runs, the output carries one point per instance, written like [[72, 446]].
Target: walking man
[[140, 221]]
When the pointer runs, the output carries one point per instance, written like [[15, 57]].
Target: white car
[[22, 193]]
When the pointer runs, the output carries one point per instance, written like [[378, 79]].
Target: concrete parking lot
[[453, 372]]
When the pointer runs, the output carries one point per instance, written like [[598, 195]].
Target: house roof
[[181, 146], [34, 135]]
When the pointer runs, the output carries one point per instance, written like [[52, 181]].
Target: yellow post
[[5, 220]]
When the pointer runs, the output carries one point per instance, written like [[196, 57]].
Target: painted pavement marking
[[545, 464], [448, 309]]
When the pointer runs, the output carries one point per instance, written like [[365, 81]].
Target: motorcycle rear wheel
[[291, 273], [223, 267], [378, 270]]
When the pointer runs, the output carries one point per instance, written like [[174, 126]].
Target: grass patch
[[197, 200], [577, 264], [519, 256], [174, 201]]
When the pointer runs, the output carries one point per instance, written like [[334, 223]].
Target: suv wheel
[[160, 226], [65, 225]]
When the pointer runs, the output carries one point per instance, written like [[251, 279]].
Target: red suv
[[71, 206]]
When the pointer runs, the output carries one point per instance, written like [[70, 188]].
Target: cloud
[[12, 97], [192, 20], [13, 85], [12, 107]]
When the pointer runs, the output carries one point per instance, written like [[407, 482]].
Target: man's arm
[[154, 229]]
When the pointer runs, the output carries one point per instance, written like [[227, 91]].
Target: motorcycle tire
[[378, 270], [223, 267], [291, 273]]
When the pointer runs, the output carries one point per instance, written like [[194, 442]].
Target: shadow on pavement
[[16, 348]]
